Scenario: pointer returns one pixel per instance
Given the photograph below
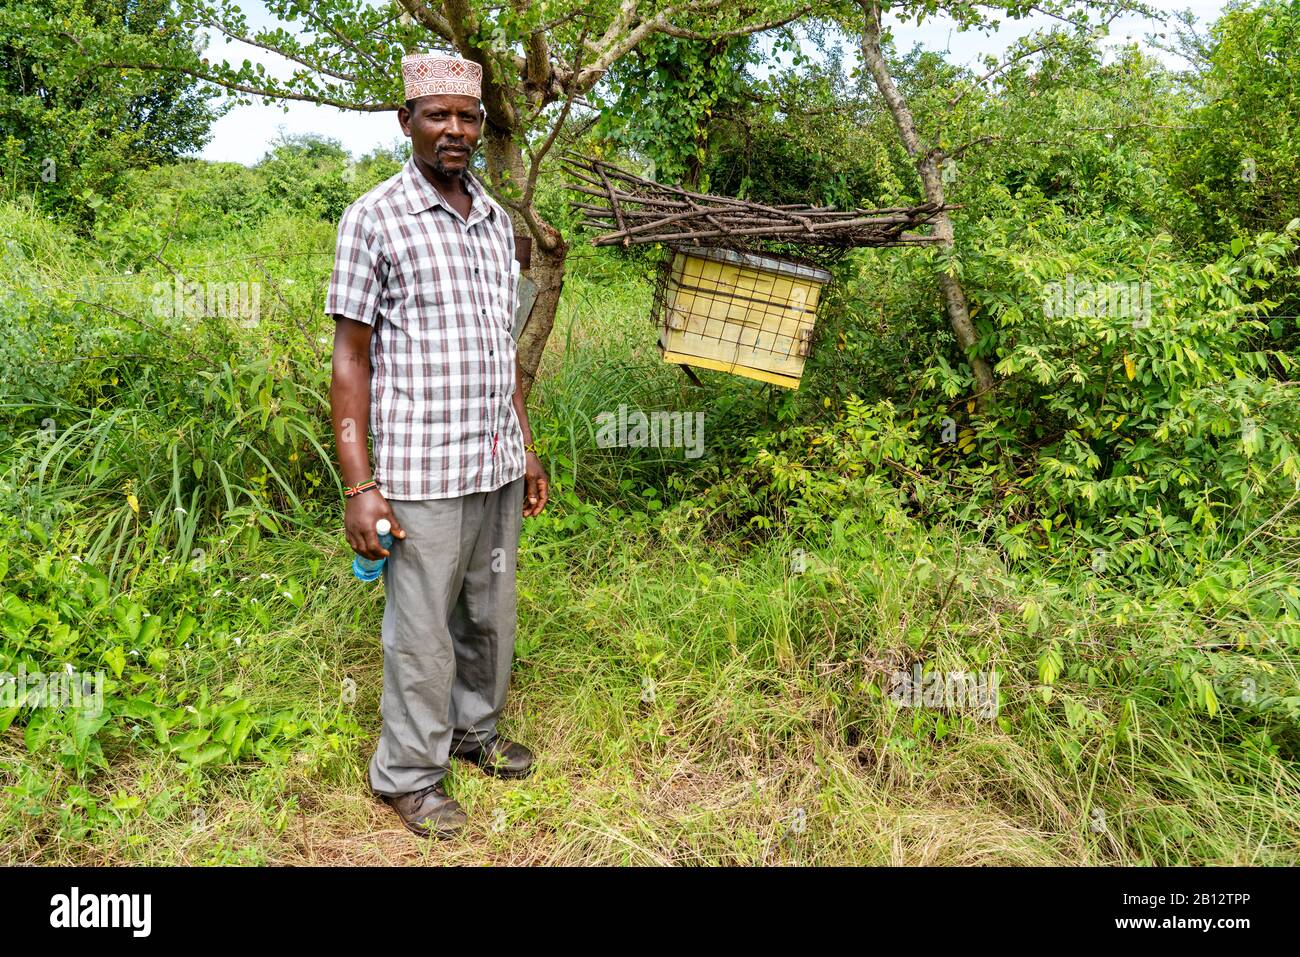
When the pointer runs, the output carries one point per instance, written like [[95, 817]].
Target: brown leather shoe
[[430, 812], [501, 758]]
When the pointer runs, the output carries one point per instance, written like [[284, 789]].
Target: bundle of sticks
[[632, 209]]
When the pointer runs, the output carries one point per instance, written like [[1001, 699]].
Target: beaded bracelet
[[354, 490], [530, 447]]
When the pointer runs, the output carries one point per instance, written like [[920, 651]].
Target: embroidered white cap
[[428, 74]]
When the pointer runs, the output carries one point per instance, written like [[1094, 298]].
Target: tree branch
[[315, 67], [252, 90], [536, 156], [955, 303], [432, 19], [1052, 40], [685, 34], [613, 46]]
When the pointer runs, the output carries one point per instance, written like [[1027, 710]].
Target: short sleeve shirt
[[440, 293]]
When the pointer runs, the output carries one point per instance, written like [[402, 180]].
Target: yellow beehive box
[[739, 312]]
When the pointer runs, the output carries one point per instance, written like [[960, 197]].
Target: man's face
[[444, 131]]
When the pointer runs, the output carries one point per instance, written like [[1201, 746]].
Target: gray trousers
[[448, 633]]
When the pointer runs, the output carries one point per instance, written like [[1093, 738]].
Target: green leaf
[[149, 628], [115, 658], [204, 756]]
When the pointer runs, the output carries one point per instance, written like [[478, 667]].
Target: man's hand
[[359, 517], [535, 483], [350, 405]]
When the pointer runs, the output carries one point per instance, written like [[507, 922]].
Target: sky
[[245, 133]]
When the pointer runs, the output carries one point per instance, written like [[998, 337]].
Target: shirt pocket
[[498, 287], [433, 325], [432, 296], [437, 315], [512, 295]]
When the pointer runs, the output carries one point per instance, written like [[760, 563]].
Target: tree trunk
[[505, 163], [927, 165], [548, 273]]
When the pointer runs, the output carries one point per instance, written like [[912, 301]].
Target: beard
[[442, 170]]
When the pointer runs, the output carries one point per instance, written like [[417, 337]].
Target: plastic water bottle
[[368, 569]]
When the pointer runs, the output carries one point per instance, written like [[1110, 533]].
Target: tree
[[806, 134], [1237, 156], [665, 99], [542, 63], [928, 154], [71, 128]]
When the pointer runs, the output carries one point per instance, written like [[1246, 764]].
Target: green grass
[[693, 698], [690, 702]]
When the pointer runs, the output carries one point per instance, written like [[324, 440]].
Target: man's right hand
[[360, 515]]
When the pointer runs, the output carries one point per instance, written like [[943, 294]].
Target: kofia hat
[[427, 74]]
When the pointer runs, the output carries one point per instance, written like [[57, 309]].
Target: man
[[423, 296]]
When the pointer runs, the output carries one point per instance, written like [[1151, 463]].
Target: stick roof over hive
[[635, 210]]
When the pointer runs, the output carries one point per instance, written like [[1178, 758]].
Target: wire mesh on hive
[[740, 282], [737, 312]]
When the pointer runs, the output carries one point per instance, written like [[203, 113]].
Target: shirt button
[[476, 270]]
